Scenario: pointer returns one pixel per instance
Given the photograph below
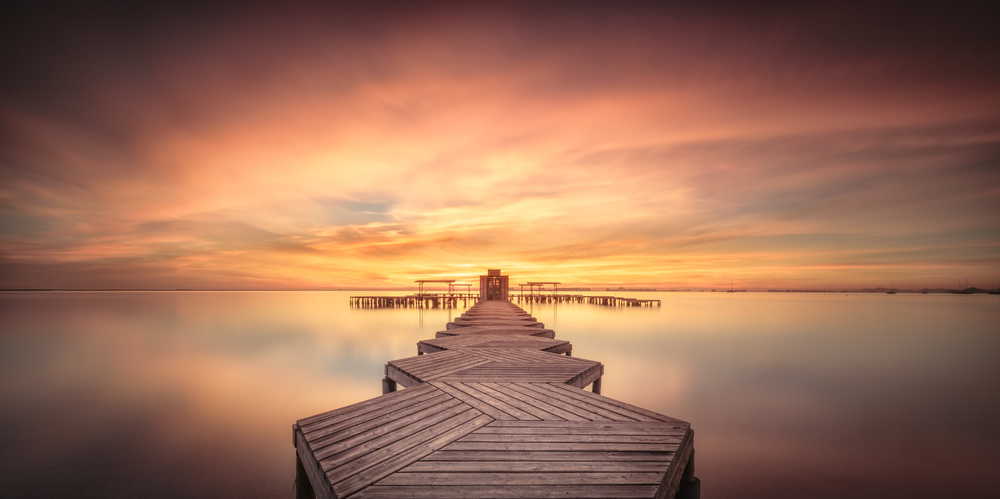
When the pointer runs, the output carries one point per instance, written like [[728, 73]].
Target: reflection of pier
[[492, 408]]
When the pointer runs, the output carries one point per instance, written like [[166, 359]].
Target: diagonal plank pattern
[[495, 329], [493, 415], [467, 341], [508, 364]]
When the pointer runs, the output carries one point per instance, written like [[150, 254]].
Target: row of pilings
[[414, 301]]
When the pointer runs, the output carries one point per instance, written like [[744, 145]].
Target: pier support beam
[[303, 489], [597, 386], [690, 486], [388, 385]]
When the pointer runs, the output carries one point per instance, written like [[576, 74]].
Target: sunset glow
[[363, 146]]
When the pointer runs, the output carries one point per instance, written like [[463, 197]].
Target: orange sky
[[358, 146]]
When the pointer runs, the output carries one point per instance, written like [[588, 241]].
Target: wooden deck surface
[[498, 329], [493, 412], [500, 364], [497, 315], [494, 321], [456, 342], [495, 439]]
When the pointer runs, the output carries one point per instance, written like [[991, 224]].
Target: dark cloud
[[53, 52]]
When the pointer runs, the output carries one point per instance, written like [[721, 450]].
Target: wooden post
[[303, 489], [690, 486], [388, 385], [597, 386]]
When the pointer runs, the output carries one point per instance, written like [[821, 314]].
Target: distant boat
[[892, 290], [994, 291], [731, 289]]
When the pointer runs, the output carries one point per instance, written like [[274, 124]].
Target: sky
[[677, 145]]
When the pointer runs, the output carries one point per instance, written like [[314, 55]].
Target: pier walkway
[[472, 341], [487, 414]]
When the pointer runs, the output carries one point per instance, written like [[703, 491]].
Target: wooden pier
[[507, 364], [499, 292], [494, 411], [464, 299], [496, 329], [466, 341]]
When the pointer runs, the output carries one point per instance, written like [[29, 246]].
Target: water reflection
[[814, 395], [179, 394], [193, 394]]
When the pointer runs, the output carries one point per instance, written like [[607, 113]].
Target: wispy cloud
[[639, 145]]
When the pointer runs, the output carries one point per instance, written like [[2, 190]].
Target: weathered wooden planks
[[498, 330], [493, 412], [489, 434], [456, 342], [510, 365], [460, 323]]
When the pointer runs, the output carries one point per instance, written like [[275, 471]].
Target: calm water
[[192, 394]]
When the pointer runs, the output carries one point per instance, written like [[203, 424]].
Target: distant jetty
[[452, 297]]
